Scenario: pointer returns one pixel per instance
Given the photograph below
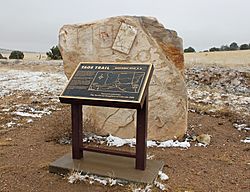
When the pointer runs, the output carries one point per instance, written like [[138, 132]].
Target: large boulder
[[132, 40]]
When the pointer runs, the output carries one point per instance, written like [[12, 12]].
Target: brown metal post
[[141, 135], [76, 116]]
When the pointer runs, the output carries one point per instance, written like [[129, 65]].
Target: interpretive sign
[[100, 81], [122, 85]]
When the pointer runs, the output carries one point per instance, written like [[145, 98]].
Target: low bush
[[16, 55], [189, 50], [54, 53]]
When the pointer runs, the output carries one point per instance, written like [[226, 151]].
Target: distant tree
[[224, 48], [244, 47], [213, 49], [205, 50], [189, 50], [234, 46], [16, 55], [54, 53]]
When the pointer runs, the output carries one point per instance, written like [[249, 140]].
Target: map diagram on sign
[[126, 82]]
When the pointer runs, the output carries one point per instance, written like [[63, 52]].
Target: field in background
[[222, 58], [29, 56]]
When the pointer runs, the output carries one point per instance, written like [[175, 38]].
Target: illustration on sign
[[117, 81]]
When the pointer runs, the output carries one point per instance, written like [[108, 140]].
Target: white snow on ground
[[10, 124], [146, 189], [23, 114], [200, 145], [247, 140], [27, 111], [160, 185], [163, 176], [107, 181], [30, 111], [172, 143], [38, 82], [118, 142], [45, 88], [78, 176], [29, 121], [241, 127]]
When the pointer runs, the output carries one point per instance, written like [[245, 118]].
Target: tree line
[[232, 47]]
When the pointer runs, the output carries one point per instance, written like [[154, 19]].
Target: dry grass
[[30, 56], [223, 59]]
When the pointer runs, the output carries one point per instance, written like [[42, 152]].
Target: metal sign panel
[[122, 82]]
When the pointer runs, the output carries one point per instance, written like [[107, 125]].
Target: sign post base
[[113, 166]]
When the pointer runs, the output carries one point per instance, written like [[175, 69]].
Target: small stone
[[204, 138], [194, 138], [35, 101]]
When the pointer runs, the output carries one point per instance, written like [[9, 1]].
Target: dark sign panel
[[100, 81]]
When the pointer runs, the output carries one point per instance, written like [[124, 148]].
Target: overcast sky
[[33, 25]]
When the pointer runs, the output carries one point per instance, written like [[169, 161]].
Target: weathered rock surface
[[132, 40]]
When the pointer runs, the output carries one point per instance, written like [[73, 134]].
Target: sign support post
[[141, 135], [76, 117]]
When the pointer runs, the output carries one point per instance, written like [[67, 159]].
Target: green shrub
[[54, 53], [214, 49], [16, 55], [1, 57], [224, 48], [189, 50], [244, 47], [234, 46]]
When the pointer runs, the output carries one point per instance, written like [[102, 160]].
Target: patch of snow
[[150, 156], [160, 185], [112, 181], [241, 127], [5, 110], [27, 111], [38, 82], [10, 124], [24, 114], [201, 145], [118, 142], [29, 121], [247, 140], [99, 180], [151, 143], [163, 176], [172, 143], [146, 189], [78, 176]]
